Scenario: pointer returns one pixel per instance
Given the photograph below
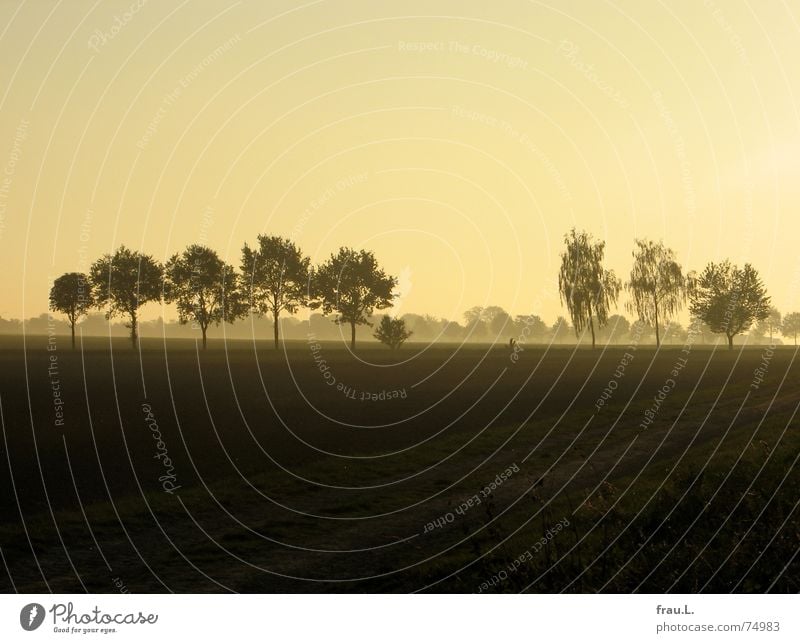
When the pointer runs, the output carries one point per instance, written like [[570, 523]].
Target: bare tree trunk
[[203, 330], [730, 342], [658, 337], [134, 329], [353, 336], [73, 335], [275, 328]]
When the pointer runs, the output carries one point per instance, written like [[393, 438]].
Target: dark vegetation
[[282, 481]]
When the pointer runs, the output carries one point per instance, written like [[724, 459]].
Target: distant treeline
[[493, 325], [275, 280]]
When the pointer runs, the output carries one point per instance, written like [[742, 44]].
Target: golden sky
[[458, 140]]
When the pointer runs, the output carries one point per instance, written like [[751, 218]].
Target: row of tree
[[498, 328], [274, 278], [726, 297]]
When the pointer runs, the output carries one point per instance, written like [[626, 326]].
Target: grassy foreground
[[435, 469]]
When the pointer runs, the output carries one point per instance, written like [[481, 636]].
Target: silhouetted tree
[[474, 314], [674, 333], [560, 330], [770, 324], [418, 324], [500, 322], [697, 327], [791, 326], [453, 330], [491, 319], [530, 327], [9, 326], [657, 285], [490, 313], [616, 329], [640, 332], [275, 278], [352, 284], [322, 327], [124, 282], [728, 298], [71, 294], [392, 332], [587, 289], [434, 323], [203, 287], [423, 326], [475, 323]]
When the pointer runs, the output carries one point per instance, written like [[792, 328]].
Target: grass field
[[440, 469]]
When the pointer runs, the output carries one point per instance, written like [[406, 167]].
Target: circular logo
[[31, 616]]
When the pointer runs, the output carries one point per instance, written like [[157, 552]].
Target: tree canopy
[[203, 288], [586, 288], [791, 326], [124, 282], [560, 330], [728, 298], [392, 332], [275, 278], [71, 294], [657, 285], [771, 324], [352, 285]]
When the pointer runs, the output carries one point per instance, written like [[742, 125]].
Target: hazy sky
[[458, 140]]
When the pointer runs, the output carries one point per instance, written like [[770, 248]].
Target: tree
[[423, 326], [698, 328], [475, 323], [728, 298], [616, 329], [587, 289], [500, 323], [275, 277], [392, 332], [675, 333], [560, 330], [126, 281], [71, 294], [530, 326], [353, 285], [640, 332], [491, 313], [474, 314], [791, 326], [453, 331], [321, 327], [203, 288], [770, 324], [492, 319], [657, 285]]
